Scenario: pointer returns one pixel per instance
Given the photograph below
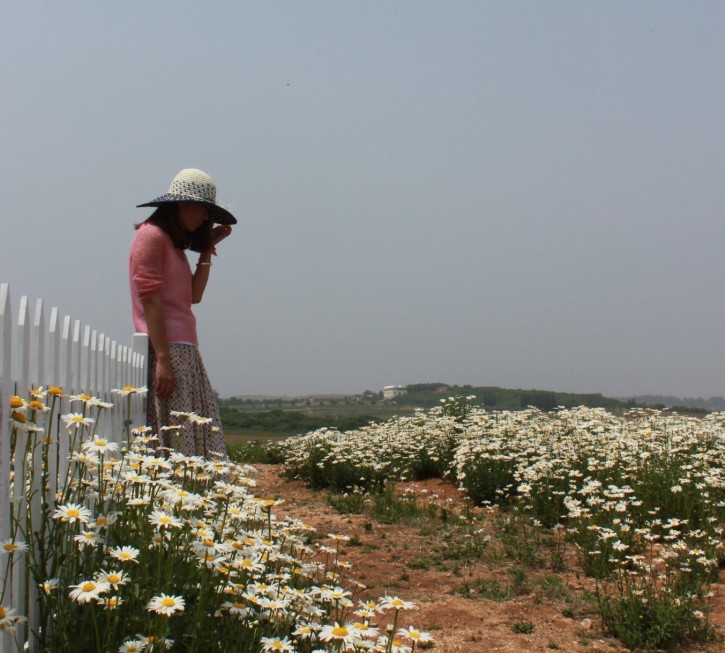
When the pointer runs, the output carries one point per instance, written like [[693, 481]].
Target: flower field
[[640, 497], [129, 550]]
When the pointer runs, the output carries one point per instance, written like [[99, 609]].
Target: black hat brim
[[218, 213]]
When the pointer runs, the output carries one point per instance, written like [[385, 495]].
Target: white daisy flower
[[166, 604], [72, 512], [88, 590]]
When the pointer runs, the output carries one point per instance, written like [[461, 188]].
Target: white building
[[392, 391]]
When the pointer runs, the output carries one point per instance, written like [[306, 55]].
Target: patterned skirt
[[192, 394]]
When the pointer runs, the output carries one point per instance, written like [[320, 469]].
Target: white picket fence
[[62, 352]]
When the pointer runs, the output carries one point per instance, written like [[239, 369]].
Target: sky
[[523, 194]]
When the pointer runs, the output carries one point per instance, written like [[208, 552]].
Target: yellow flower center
[[54, 390], [114, 578], [208, 543], [16, 402], [19, 417], [37, 405], [340, 631], [85, 397], [72, 512], [89, 536], [88, 587], [77, 418], [10, 546], [169, 602], [129, 388], [2, 612]]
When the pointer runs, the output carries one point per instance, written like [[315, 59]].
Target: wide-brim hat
[[192, 185]]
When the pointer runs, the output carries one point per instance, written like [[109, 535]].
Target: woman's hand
[[164, 378], [219, 233]]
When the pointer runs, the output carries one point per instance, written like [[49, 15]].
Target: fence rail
[[65, 353]]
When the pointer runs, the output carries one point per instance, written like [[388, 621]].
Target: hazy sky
[[523, 194]]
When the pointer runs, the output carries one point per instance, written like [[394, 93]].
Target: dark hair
[[166, 217]]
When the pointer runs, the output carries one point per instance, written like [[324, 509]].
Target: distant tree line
[[495, 398], [289, 421]]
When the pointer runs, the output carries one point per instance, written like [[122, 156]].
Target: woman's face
[[193, 215]]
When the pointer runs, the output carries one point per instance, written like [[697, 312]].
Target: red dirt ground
[[380, 561]]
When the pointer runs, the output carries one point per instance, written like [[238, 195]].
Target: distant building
[[393, 391]]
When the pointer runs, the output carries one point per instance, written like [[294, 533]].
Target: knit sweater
[[156, 267]]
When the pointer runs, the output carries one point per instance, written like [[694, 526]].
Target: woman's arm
[[201, 277], [153, 311], [203, 266]]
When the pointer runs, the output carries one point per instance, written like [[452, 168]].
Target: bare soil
[[383, 556]]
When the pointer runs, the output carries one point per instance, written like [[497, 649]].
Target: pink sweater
[[156, 267]]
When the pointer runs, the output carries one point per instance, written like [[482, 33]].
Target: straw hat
[[192, 185]]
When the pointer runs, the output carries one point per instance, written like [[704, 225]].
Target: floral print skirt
[[187, 421]]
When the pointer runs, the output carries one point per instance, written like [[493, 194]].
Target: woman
[[163, 288]]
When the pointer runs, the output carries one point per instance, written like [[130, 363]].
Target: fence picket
[[6, 372]]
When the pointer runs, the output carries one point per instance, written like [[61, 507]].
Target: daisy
[[237, 608], [114, 578], [415, 635], [88, 590], [71, 512], [81, 397], [12, 546], [197, 419], [130, 390], [8, 619], [337, 633], [363, 629], [104, 521], [76, 420], [111, 602], [388, 602], [183, 415], [334, 594], [36, 404], [18, 417], [86, 538], [166, 604], [161, 519], [132, 646], [49, 585], [272, 644], [304, 631], [18, 403], [394, 645], [125, 553], [85, 458], [99, 445]]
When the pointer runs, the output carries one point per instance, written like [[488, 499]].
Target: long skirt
[[194, 398]]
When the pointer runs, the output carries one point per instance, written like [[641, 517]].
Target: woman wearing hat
[[163, 288]]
